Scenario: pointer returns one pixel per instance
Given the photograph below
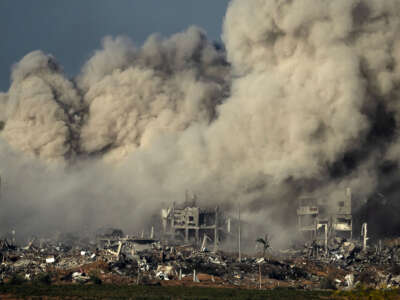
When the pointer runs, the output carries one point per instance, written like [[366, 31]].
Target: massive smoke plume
[[303, 100]]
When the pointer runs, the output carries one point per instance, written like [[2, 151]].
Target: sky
[[71, 30]]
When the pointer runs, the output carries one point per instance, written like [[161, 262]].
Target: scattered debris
[[180, 257]]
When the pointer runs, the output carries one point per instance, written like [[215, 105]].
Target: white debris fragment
[[349, 280], [50, 260]]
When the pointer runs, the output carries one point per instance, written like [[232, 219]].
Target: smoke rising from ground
[[298, 103]]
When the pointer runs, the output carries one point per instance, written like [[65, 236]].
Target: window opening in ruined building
[[344, 220]]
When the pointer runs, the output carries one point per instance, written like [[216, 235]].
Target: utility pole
[[326, 238], [239, 233], [216, 237]]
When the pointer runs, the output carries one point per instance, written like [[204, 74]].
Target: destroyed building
[[316, 218], [189, 222]]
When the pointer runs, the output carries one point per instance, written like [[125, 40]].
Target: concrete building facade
[[315, 216], [191, 223]]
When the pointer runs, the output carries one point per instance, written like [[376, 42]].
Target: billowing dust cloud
[[302, 99]]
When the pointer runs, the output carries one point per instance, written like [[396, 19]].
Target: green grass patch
[[155, 292], [107, 291], [368, 293]]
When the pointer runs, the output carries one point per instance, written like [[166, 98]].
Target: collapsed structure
[[317, 219], [189, 222], [147, 260]]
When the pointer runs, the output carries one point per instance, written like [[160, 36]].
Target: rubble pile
[[117, 259], [376, 267]]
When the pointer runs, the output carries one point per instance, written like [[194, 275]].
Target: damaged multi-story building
[[317, 217], [188, 222]]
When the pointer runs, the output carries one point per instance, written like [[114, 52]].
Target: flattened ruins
[[188, 250]]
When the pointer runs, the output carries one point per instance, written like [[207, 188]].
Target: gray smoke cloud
[[41, 111], [134, 95], [295, 105]]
